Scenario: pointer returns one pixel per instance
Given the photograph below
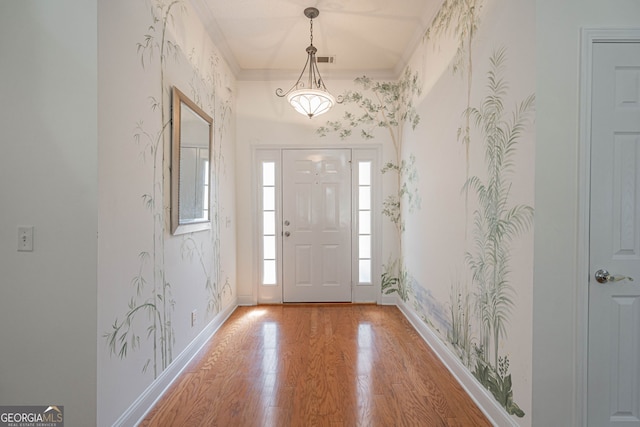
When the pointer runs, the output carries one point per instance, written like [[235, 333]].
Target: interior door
[[614, 298], [316, 214]]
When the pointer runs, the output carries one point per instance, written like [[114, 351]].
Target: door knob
[[287, 234], [286, 222], [603, 276]]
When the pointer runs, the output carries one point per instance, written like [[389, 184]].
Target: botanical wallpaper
[[496, 223], [387, 105], [147, 322], [152, 301], [473, 307]]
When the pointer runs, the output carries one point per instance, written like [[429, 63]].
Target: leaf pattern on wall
[[152, 292], [460, 18], [204, 90], [496, 224], [387, 105], [157, 302], [480, 305]]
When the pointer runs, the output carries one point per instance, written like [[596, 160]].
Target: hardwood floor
[[316, 365]]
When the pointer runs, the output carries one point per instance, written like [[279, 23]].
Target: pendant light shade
[[311, 102], [311, 98]]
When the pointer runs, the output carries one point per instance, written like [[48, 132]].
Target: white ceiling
[[266, 39]]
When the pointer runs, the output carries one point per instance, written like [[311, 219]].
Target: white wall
[[48, 179], [138, 257], [555, 355], [441, 236]]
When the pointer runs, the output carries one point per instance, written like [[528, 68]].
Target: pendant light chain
[[314, 82]]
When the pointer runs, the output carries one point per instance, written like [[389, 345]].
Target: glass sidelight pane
[[364, 222], [364, 247], [364, 273], [268, 174], [269, 198], [269, 223], [269, 251], [269, 272], [364, 173], [364, 198]]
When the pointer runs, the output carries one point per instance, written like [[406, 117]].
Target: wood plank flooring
[[316, 365]]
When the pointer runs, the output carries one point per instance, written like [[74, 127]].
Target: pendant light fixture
[[311, 98]]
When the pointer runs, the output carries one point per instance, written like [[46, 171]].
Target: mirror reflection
[[190, 171]]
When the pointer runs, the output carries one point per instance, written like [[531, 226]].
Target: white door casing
[[316, 225], [268, 223], [613, 372]]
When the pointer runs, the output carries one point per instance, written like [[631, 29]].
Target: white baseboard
[[247, 300], [146, 401], [481, 396], [389, 300], [485, 401]]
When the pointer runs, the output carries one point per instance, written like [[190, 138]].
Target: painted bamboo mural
[[460, 18], [220, 105], [217, 289], [157, 302]]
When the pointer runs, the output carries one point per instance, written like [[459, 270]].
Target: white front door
[[614, 246], [316, 225]]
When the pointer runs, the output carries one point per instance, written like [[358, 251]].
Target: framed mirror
[[191, 151]]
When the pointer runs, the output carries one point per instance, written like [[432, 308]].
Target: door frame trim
[[256, 157], [588, 37]]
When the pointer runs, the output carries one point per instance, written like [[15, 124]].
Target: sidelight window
[[364, 222], [269, 223]]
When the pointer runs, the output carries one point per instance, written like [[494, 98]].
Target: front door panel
[[316, 212]]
